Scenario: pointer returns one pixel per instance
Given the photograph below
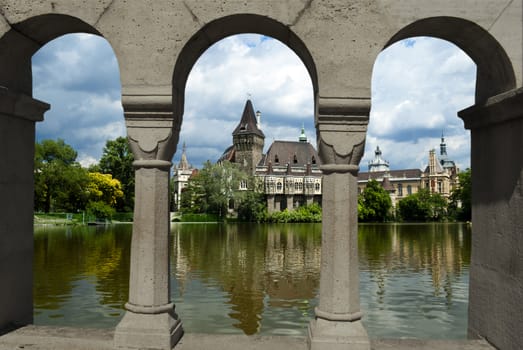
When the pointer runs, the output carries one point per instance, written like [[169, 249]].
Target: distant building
[[440, 176], [288, 174], [181, 174]]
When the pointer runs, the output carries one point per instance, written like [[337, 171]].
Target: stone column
[[341, 125], [18, 114], [496, 266], [270, 203], [290, 202], [150, 320]]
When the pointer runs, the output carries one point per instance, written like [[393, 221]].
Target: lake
[[259, 279]]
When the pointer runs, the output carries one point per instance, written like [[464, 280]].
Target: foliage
[[374, 203], [117, 160], [199, 218], [103, 188], [423, 206], [460, 204], [308, 213], [100, 210], [251, 207], [212, 189], [59, 179]]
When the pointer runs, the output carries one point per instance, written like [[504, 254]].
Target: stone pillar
[[270, 203], [18, 114], [150, 320], [310, 199], [496, 267], [341, 125], [290, 202]]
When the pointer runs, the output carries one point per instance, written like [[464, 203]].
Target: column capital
[[21, 106], [152, 129], [497, 109], [342, 128]]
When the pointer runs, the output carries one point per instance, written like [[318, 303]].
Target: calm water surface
[[244, 278]]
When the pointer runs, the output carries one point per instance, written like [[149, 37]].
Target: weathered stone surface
[[157, 44]]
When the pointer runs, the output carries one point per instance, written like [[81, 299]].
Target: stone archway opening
[[20, 110], [77, 74], [493, 124], [416, 144], [234, 70]]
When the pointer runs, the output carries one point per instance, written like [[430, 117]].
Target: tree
[[117, 160], [59, 179], [103, 188], [252, 208], [213, 189], [461, 197], [423, 206], [374, 203]]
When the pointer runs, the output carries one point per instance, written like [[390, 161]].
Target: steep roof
[[291, 152], [248, 123]]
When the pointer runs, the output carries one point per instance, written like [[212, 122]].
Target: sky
[[418, 85]]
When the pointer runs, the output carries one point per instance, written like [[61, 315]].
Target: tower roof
[[248, 124]]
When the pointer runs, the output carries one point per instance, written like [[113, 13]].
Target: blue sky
[[418, 85]]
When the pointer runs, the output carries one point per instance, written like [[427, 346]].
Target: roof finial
[[303, 137]]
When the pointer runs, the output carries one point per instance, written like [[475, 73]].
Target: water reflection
[[260, 278]]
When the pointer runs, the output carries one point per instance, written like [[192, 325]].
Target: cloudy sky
[[418, 85]]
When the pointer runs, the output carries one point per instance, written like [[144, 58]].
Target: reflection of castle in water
[[277, 266]]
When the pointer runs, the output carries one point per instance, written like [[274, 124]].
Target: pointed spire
[[248, 122], [443, 147], [184, 164]]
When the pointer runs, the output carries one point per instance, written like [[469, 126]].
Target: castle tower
[[248, 140]]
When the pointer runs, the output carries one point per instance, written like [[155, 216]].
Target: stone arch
[[18, 114], [231, 25], [18, 45], [495, 73]]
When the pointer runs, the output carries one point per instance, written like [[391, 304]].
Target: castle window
[[279, 186], [317, 186], [243, 185], [400, 190], [296, 186], [295, 159], [440, 187], [409, 190], [313, 161], [276, 159]]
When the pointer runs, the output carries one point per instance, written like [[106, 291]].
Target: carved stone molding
[[151, 128], [342, 128], [21, 106]]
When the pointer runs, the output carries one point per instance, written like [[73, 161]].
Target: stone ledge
[[58, 338]]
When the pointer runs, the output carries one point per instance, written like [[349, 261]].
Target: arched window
[[313, 160], [276, 159], [296, 186], [400, 190], [279, 186], [317, 186], [295, 160]]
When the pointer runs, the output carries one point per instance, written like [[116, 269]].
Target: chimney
[[258, 119]]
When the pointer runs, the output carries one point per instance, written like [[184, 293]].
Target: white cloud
[[416, 91]]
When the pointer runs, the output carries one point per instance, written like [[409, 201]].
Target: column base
[[337, 335], [148, 331]]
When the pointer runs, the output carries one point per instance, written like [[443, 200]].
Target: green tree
[[374, 203], [59, 179], [461, 197], [252, 208], [213, 190], [117, 160], [423, 206]]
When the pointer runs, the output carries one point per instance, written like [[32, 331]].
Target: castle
[[289, 173]]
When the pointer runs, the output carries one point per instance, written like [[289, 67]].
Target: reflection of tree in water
[[439, 250], [251, 263], [62, 257]]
